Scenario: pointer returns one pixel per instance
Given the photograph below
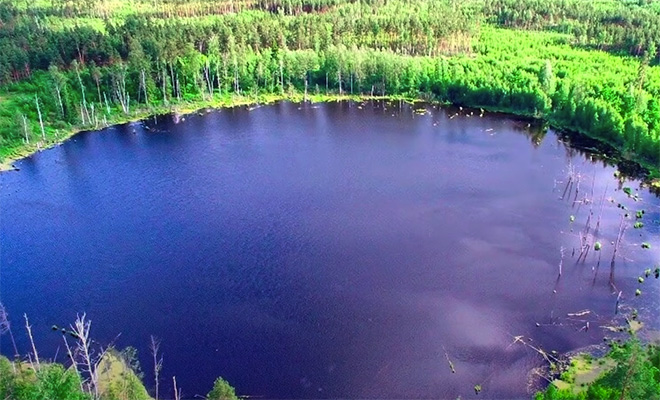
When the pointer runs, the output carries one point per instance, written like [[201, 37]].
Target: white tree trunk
[[25, 130], [41, 121]]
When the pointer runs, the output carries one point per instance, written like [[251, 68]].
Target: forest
[[582, 66]]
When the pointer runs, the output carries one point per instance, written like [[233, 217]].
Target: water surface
[[337, 250]]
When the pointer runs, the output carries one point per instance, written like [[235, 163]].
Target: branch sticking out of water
[[451, 364]]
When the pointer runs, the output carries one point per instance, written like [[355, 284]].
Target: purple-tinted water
[[335, 250]]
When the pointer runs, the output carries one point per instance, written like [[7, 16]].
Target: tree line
[[620, 26], [84, 75]]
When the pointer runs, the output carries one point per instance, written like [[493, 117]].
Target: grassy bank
[[55, 136], [628, 371]]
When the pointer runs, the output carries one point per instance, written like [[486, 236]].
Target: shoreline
[[647, 173], [183, 109]]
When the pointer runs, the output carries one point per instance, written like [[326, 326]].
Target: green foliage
[[636, 375], [120, 376], [92, 62], [128, 386], [118, 380], [51, 381], [130, 358], [222, 391]]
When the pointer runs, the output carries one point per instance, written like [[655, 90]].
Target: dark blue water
[[337, 250]]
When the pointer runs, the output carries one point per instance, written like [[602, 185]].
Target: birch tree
[[59, 81]]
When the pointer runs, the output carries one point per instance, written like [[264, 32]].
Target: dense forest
[[589, 67]]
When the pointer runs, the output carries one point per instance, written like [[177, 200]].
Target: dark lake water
[[336, 250]]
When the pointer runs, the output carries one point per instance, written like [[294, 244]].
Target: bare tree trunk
[[305, 99], [107, 105], [163, 77], [143, 82], [73, 360], [619, 237], [158, 362], [81, 329], [25, 129], [120, 91], [207, 77], [602, 202], [178, 88], [34, 348], [59, 100], [82, 91], [177, 391], [41, 121], [5, 326]]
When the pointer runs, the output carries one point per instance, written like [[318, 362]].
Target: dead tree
[[119, 84], [5, 327], [88, 361], [617, 243], [74, 364], [25, 129], [41, 120], [84, 110], [28, 327], [158, 362], [602, 202], [177, 391], [143, 83]]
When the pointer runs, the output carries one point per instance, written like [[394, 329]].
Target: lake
[[341, 250]]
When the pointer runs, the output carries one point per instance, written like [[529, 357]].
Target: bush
[[222, 390]]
